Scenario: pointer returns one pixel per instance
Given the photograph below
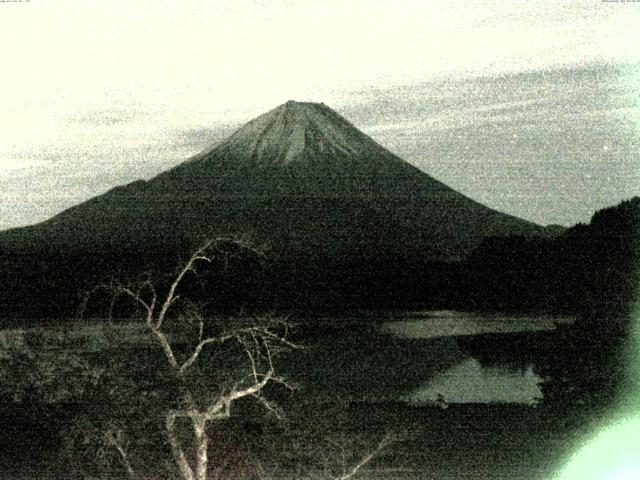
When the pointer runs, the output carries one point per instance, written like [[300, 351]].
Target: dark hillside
[[592, 270]]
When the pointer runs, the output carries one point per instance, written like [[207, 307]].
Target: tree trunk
[[202, 440], [186, 471]]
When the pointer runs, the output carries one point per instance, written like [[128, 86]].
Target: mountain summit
[[300, 149], [296, 132], [297, 149]]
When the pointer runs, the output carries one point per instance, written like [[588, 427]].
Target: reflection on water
[[471, 382], [450, 323]]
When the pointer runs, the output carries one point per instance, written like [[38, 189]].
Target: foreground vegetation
[[156, 402], [79, 394]]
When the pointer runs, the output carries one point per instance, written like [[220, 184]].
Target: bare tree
[[258, 339], [349, 469]]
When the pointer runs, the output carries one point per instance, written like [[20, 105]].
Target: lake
[[472, 380], [422, 358], [417, 357]]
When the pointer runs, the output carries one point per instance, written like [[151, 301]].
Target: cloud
[[37, 184], [550, 146]]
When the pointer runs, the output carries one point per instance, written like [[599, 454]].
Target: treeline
[[51, 285], [590, 269], [586, 270]]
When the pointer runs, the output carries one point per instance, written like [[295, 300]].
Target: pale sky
[[96, 94]]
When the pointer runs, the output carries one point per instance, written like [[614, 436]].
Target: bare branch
[[288, 385], [268, 405], [250, 355], [166, 346], [200, 327], [198, 255], [256, 387], [154, 296], [114, 440], [198, 349], [137, 298], [279, 338], [231, 335], [384, 443]]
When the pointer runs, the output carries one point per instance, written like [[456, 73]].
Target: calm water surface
[[469, 380]]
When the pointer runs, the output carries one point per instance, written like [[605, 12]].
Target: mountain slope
[[348, 225], [300, 176]]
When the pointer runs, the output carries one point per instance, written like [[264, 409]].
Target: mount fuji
[[299, 176], [342, 217]]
